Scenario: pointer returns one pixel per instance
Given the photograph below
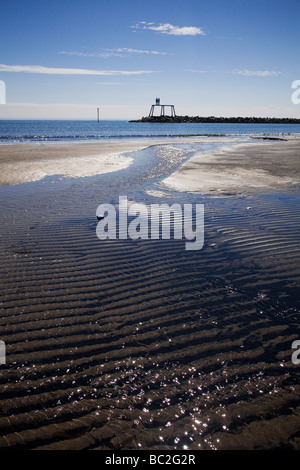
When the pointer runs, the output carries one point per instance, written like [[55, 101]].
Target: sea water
[[29, 131]]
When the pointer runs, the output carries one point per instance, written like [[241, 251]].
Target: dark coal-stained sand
[[140, 344]]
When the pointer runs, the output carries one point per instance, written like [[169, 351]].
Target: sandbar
[[26, 162], [242, 168], [22, 163]]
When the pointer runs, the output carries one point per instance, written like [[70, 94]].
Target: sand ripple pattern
[[142, 345]]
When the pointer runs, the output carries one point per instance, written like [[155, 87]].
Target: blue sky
[[63, 59]]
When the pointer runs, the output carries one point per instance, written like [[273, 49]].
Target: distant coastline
[[213, 119]]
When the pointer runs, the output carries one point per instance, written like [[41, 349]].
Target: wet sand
[[22, 163], [139, 344], [265, 166], [30, 162]]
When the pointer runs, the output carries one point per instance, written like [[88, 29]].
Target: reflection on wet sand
[[139, 344]]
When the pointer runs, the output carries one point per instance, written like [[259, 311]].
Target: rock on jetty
[[213, 119]]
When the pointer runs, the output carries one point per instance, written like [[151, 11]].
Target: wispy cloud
[[258, 73], [198, 71], [109, 83], [167, 28], [117, 52], [66, 71]]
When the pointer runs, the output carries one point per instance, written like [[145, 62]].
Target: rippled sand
[[139, 344]]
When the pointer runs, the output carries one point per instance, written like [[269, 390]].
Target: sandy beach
[[139, 344], [232, 170], [31, 162], [21, 163], [253, 166]]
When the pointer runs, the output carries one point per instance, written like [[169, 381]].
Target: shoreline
[[260, 164], [24, 163], [21, 163]]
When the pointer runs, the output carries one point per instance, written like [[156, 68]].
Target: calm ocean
[[26, 131]]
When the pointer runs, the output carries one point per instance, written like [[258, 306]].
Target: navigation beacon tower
[[162, 108]]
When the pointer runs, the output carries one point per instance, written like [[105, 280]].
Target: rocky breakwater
[[213, 119]]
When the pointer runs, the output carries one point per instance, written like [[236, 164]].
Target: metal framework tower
[[162, 108]]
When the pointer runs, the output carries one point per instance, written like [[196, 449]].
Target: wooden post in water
[[98, 114]]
